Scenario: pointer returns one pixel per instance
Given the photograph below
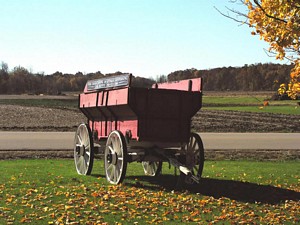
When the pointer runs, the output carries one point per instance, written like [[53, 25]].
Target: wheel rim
[[83, 150], [152, 168], [194, 156], [115, 158]]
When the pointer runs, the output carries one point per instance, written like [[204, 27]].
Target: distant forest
[[257, 77]]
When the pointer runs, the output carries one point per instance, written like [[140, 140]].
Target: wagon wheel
[[152, 168], [83, 150], [115, 157], [194, 157]]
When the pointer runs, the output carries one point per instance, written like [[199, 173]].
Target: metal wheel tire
[[194, 156], [115, 157], [152, 168], [83, 150]]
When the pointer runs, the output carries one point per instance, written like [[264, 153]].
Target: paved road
[[215, 141], [280, 141], [36, 140]]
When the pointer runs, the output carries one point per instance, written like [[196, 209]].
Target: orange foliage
[[277, 22]]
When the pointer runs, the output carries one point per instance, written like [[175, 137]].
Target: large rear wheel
[[115, 157], [194, 157], [83, 150]]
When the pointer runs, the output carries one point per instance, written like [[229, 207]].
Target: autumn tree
[[278, 23]]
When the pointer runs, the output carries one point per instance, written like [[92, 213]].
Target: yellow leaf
[[67, 207]]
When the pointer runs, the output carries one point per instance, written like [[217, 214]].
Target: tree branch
[[268, 15], [235, 12]]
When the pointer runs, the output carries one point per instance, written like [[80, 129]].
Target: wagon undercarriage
[[127, 124]]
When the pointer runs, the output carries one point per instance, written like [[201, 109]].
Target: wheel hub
[[80, 150], [112, 158]]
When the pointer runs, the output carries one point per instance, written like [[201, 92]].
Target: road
[[214, 141]]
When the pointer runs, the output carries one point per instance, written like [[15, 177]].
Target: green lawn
[[51, 192], [260, 109], [250, 104], [50, 103], [232, 100]]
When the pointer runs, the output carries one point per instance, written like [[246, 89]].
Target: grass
[[232, 100], [50, 192], [250, 104], [289, 110], [49, 103]]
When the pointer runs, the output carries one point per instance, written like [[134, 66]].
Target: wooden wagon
[[131, 124]]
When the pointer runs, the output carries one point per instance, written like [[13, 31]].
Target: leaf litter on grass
[[59, 200]]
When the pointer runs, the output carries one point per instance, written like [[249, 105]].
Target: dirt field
[[233, 121], [22, 118]]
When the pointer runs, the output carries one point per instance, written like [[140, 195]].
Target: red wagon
[[132, 124]]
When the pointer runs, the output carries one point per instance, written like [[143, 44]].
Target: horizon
[[208, 69]]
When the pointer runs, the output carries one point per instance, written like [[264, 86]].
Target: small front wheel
[[152, 168], [83, 150], [115, 157]]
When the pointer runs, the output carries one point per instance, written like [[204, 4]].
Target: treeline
[[258, 77], [21, 81]]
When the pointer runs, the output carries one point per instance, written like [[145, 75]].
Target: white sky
[[144, 37]]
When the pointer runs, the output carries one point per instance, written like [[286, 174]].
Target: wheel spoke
[[194, 146], [111, 149], [79, 139], [154, 167], [86, 159], [78, 163], [111, 173], [114, 142], [86, 139], [196, 168], [148, 168], [116, 173], [109, 167], [120, 148], [190, 143], [82, 165], [120, 159]]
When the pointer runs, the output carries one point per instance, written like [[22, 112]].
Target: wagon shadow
[[235, 190]]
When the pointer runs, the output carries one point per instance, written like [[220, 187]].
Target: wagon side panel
[[164, 115], [108, 110]]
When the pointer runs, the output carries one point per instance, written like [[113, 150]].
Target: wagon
[[132, 124]]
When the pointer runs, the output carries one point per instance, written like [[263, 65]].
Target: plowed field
[[25, 118], [236, 121]]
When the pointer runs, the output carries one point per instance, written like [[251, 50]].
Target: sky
[[147, 38]]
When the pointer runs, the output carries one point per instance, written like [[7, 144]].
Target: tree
[[3, 77], [278, 23], [19, 80]]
